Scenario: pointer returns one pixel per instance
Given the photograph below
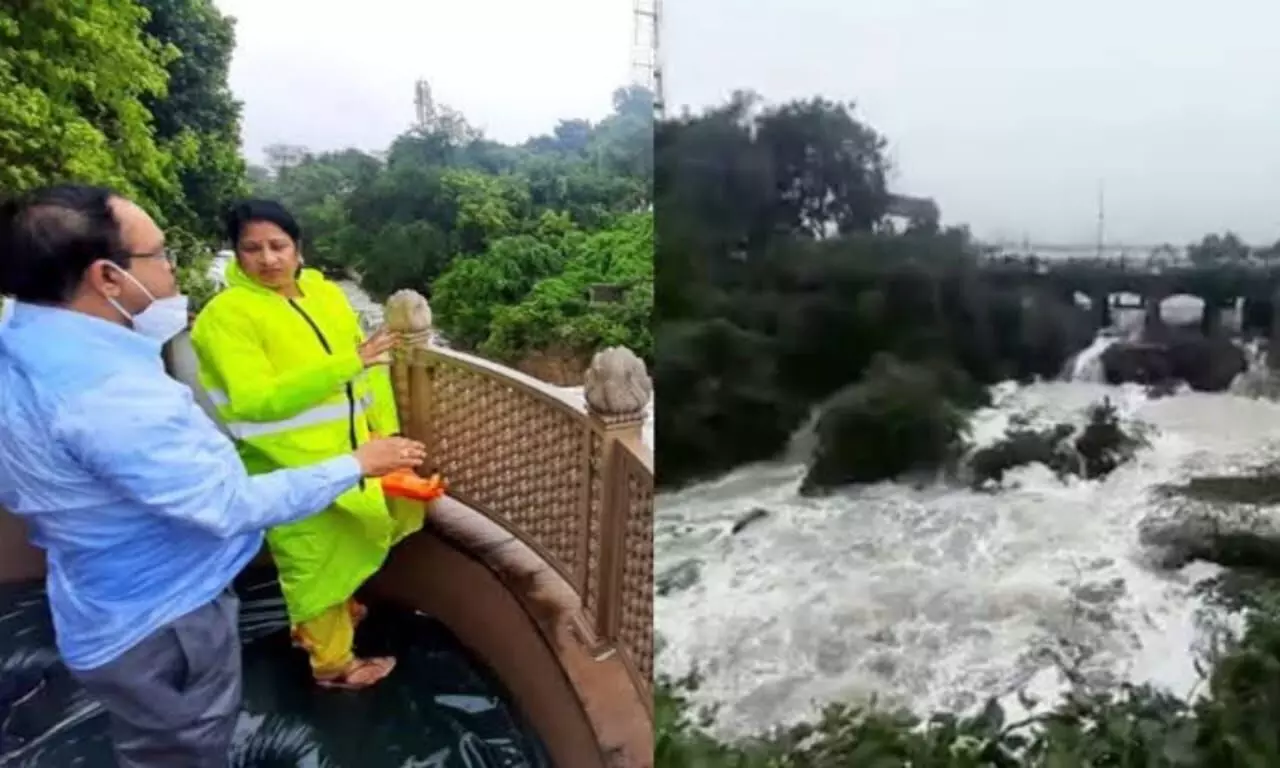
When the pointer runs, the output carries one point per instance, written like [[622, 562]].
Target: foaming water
[[1087, 366], [937, 598]]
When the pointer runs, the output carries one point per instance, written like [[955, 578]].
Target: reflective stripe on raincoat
[[288, 383]]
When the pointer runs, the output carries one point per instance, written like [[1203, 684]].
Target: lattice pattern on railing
[[566, 480], [513, 454], [635, 629], [597, 497]]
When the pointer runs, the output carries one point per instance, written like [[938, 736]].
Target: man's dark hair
[[50, 236], [245, 212]]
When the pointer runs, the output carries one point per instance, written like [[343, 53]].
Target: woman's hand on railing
[[383, 455], [376, 350]]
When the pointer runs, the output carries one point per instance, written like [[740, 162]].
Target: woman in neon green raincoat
[[285, 362]]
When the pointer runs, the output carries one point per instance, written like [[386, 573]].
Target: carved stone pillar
[[408, 314], [617, 389]]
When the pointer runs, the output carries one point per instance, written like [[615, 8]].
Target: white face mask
[[162, 319]]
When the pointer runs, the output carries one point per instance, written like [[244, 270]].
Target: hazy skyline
[[329, 75], [1011, 112]]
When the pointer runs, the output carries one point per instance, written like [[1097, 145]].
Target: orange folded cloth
[[405, 484]]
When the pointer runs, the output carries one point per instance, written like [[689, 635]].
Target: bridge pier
[[1100, 303], [1211, 317], [1255, 316], [1152, 321], [1273, 341]]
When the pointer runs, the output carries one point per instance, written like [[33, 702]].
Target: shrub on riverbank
[[1021, 445], [899, 419], [1097, 450], [806, 321], [731, 410], [1104, 444]]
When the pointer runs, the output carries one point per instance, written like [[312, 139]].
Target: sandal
[[360, 673]]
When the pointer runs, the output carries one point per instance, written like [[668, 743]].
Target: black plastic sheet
[[439, 709]]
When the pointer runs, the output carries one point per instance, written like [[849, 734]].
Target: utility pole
[[659, 84], [646, 61], [1102, 217]]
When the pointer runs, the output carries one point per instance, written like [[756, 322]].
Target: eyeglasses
[[163, 253]]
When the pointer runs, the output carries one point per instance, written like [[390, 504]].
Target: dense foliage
[[508, 242], [73, 79], [129, 94], [198, 121], [123, 93], [900, 418], [781, 276]]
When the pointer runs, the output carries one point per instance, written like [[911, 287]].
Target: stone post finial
[[408, 314], [617, 385]]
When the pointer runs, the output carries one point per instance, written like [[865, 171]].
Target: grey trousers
[[174, 697]]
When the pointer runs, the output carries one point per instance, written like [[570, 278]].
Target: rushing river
[[938, 598]]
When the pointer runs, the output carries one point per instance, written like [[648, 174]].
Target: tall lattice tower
[[646, 58], [424, 106]]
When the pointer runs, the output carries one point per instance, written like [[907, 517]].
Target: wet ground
[[440, 708]]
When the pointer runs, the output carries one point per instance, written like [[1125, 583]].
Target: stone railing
[[572, 480]]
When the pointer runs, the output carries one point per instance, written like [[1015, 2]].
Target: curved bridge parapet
[[569, 477]]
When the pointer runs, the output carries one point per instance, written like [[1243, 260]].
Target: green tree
[[75, 79], [468, 294], [1218, 249], [198, 120], [559, 312], [829, 168]]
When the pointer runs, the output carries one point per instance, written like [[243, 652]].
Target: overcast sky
[[1010, 112], [329, 74]]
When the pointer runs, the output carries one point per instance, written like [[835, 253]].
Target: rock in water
[[1230, 521], [1137, 362], [756, 513], [679, 578], [1206, 364]]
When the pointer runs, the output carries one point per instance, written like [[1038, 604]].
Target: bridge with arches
[[1219, 285]]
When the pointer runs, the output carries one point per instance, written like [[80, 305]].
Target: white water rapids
[[938, 598]]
